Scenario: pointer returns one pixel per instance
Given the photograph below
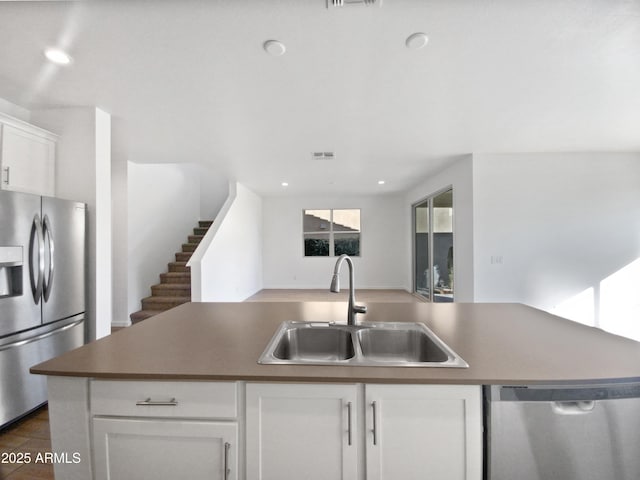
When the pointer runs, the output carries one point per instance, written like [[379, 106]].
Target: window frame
[[331, 232]]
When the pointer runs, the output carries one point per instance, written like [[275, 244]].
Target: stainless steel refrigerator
[[42, 293]]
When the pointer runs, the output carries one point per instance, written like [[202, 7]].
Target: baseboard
[[121, 323]]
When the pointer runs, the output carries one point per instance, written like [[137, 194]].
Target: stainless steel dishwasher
[[577, 432]]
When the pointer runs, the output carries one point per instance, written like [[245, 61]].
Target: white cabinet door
[[301, 431], [155, 449], [423, 432], [28, 160]]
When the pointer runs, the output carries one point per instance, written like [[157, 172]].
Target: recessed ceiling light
[[284, 184], [274, 47], [416, 41], [380, 182], [57, 56]]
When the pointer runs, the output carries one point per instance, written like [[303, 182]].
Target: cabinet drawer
[[164, 399]]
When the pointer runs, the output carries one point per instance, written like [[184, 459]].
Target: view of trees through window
[[331, 232]]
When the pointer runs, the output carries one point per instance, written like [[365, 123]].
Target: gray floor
[[324, 295]]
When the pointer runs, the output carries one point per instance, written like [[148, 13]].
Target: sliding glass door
[[433, 247]]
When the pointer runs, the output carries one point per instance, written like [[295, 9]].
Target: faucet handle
[[359, 309]]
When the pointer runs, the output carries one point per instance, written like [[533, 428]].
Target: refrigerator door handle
[[36, 236], [48, 237], [36, 338]]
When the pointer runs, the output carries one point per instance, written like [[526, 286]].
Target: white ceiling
[[188, 81]]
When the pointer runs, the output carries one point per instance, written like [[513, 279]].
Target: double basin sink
[[390, 344]]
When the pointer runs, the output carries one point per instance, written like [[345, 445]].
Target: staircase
[[175, 286]]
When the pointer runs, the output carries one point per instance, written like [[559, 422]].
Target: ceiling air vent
[[322, 155], [342, 3]]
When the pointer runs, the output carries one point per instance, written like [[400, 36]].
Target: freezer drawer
[[20, 391], [544, 433]]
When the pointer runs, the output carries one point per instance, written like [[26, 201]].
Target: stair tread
[[175, 277], [166, 298], [170, 286], [143, 315]]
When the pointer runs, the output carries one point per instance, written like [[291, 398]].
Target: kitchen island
[[186, 383]]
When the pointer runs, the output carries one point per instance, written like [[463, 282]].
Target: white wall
[[382, 260], [103, 223], [214, 190], [120, 227], [163, 209], [458, 175], [564, 234], [83, 174], [227, 267]]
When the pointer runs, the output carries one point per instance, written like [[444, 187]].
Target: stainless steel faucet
[[335, 287]]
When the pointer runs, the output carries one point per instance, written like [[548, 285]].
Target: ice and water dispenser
[[11, 266]]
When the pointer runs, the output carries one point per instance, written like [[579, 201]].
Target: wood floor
[[29, 439], [324, 295]]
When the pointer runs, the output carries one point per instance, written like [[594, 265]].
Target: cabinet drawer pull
[[8, 172], [227, 470], [148, 402], [375, 425], [349, 423]]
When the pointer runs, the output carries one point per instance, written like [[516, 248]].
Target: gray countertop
[[503, 344]]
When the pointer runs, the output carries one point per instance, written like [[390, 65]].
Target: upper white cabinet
[[27, 157]]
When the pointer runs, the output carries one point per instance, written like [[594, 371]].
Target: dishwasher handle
[[580, 407]]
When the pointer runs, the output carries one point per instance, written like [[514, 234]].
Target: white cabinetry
[[301, 431], [153, 430], [419, 432], [364, 431], [165, 430], [27, 157]]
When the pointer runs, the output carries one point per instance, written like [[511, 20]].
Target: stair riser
[[171, 292], [184, 277], [151, 303], [200, 231], [179, 267], [195, 239], [205, 223], [183, 256], [189, 247]]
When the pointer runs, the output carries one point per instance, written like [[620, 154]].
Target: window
[[331, 232]]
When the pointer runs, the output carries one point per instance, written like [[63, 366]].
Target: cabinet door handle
[[148, 402], [374, 430], [349, 423], [7, 177], [227, 470]]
